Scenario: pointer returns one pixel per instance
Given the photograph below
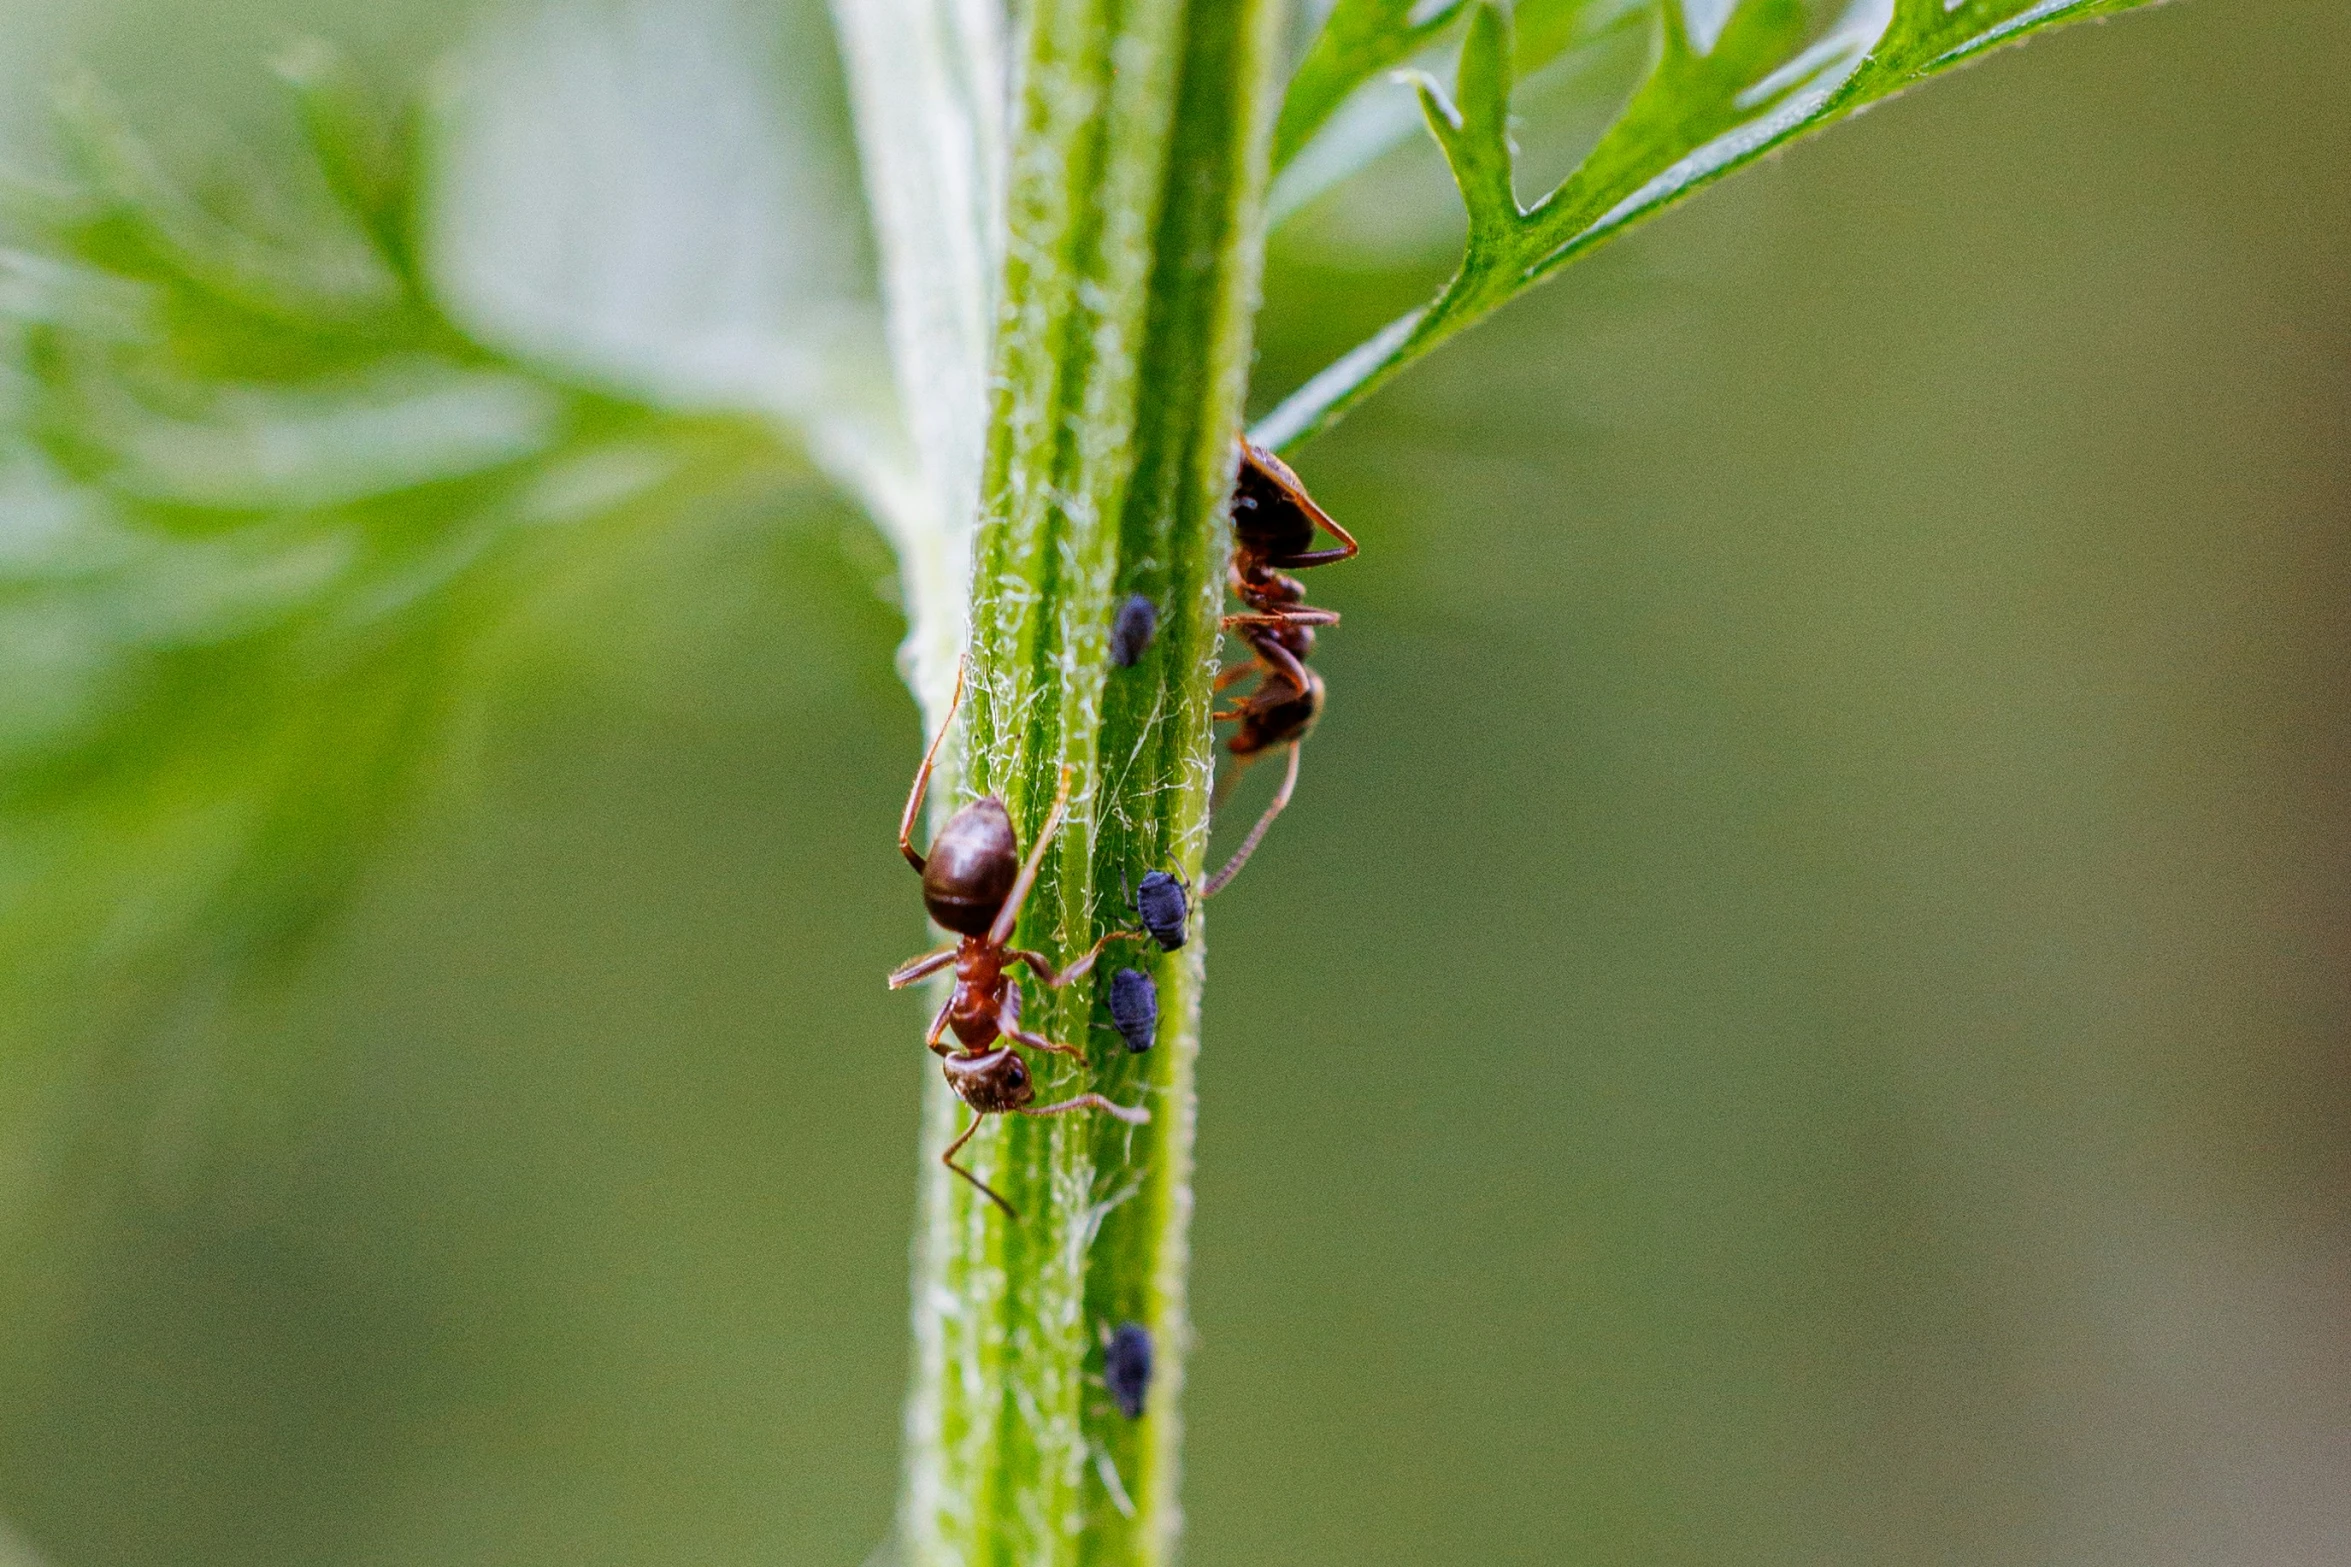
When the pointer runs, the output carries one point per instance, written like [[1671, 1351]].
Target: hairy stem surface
[[1130, 276]]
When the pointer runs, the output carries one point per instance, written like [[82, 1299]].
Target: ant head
[[1272, 513], [972, 866], [992, 1082]]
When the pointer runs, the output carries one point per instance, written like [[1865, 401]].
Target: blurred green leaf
[[1730, 80], [928, 80], [270, 516]]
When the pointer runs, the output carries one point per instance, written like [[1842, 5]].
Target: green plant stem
[[1133, 206]]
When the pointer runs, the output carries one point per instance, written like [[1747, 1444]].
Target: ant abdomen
[[972, 865]]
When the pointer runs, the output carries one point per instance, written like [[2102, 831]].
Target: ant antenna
[[1132, 1115], [922, 775], [987, 1191]]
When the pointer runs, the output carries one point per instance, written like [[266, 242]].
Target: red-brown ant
[[1274, 526], [974, 883]]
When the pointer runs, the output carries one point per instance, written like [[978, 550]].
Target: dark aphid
[[1165, 903], [1134, 1007], [974, 882], [1131, 630], [1126, 1368]]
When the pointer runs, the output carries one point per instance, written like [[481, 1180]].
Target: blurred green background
[[1799, 1017]]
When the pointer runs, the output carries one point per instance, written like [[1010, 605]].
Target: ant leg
[[913, 969], [922, 774], [1233, 676], [1040, 1042], [1303, 615], [1282, 664], [1008, 1025], [1285, 680], [1009, 916], [1134, 1115], [987, 1191], [1044, 970], [930, 1041], [1232, 867]]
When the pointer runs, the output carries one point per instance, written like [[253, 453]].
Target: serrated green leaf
[[1372, 114], [1732, 79], [927, 81], [1475, 133], [1359, 40]]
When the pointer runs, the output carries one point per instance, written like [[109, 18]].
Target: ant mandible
[[974, 883], [1274, 527]]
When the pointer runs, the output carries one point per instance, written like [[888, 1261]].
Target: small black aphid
[[1164, 903], [1126, 1367], [1131, 630], [1134, 1007]]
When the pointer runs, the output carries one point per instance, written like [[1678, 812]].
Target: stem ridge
[[1137, 174]]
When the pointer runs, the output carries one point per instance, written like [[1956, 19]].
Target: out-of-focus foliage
[[928, 82], [1728, 80], [1796, 1017], [269, 513]]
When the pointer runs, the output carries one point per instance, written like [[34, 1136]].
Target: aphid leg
[[1232, 867], [923, 967], [1045, 971], [987, 1191], [1009, 916], [922, 775], [1134, 1115]]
